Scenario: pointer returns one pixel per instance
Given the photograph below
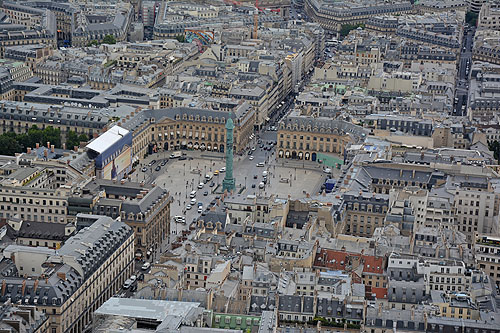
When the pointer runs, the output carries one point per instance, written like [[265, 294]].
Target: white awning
[[107, 139]]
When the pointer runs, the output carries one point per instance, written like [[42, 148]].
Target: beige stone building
[[188, 128], [71, 283], [303, 138]]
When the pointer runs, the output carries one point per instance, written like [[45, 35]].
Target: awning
[[281, 153], [183, 142], [196, 134], [190, 133], [287, 154], [184, 133], [172, 133], [209, 147], [196, 146], [202, 135], [300, 154], [190, 145]]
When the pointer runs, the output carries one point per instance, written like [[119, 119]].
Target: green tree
[[93, 43], [73, 139], [109, 39], [346, 28], [181, 38], [9, 145], [494, 146], [471, 18]]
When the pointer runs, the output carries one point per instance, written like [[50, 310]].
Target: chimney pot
[[37, 145]]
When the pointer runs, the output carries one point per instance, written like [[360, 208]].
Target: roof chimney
[[37, 145], [48, 144], [75, 148], [52, 148], [28, 150]]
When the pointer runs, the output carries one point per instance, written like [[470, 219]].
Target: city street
[[462, 85]]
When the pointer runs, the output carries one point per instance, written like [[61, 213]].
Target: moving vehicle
[[200, 185], [264, 173], [262, 185], [128, 283], [260, 164], [193, 201], [250, 158], [209, 176], [329, 185], [188, 207], [146, 266], [144, 169], [205, 193], [192, 194], [223, 169], [176, 154], [200, 209]]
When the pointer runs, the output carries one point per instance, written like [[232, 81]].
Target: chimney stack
[[75, 148], [28, 150], [52, 148], [64, 146], [48, 144], [37, 145]]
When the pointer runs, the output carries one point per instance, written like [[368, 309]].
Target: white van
[[192, 194], [262, 185], [193, 201], [264, 173]]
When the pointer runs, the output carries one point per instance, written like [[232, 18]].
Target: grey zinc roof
[[42, 230]]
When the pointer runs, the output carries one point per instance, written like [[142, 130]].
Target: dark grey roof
[[42, 230]]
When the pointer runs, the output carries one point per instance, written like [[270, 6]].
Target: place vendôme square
[[249, 166]]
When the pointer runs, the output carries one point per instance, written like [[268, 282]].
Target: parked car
[[188, 207], [158, 168], [223, 169], [205, 193], [250, 158], [200, 185], [144, 169], [146, 266]]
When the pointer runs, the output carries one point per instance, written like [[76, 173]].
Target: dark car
[[204, 214], [140, 277], [259, 142], [164, 162], [249, 152], [182, 158], [212, 184], [205, 193], [152, 162], [213, 202], [255, 176], [253, 185], [158, 168]]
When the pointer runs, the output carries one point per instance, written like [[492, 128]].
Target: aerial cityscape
[[249, 166]]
